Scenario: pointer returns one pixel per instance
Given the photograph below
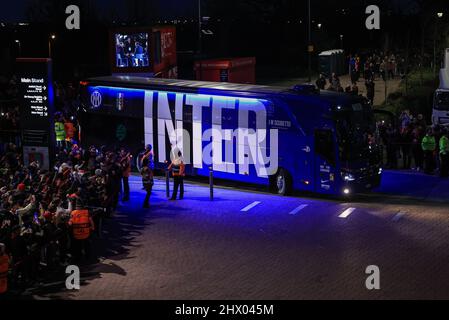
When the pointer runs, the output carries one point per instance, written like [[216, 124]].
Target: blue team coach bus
[[286, 138]]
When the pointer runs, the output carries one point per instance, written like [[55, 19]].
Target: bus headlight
[[346, 191]]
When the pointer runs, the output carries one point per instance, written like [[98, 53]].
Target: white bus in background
[[440, 113]]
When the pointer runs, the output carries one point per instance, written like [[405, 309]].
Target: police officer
[[429, 146], [82, 226], [444, 154]]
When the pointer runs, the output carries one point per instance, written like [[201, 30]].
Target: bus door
[[325, 162], [305, 165]]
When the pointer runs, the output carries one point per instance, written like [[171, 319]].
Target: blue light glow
[[225, 98]]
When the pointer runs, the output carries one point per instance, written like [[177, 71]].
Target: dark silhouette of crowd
[[9, 117]]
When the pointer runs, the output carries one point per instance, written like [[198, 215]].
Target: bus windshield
[[356, 134], [442, 101]]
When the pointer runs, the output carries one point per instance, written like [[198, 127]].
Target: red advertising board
[[235, 70], [164, 39]]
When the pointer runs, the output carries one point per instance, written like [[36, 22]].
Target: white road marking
[[346, 213], [249, 207], [298, 209], [398, 216]]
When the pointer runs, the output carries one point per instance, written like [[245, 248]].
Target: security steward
[[82, 226], [177, 167], [444, 154], [429, 146], [59, 131], [4, 267]]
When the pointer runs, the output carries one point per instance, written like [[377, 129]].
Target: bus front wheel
[[281, 182]]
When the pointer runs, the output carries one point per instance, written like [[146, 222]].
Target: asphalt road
[[254, 245]]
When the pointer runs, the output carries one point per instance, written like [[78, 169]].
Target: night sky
[[16, 11]]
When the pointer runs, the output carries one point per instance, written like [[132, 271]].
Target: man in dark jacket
[[370, 90], [321, 82]]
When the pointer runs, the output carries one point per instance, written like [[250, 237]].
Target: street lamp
[[319, 25], [440, 14], [52, 37], [341, 41]]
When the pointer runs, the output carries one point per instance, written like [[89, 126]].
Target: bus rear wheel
[[281, 183]]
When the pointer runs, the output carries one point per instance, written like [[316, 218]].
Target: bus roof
[[205, 87], [182, 85]]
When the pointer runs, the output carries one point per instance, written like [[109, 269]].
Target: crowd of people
[[384, 66], [334, 84], [373, 66], [414, 145], [410, 145], [47, 216]]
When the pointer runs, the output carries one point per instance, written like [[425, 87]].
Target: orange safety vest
[[80, 224], [4, 267], [178, 171]]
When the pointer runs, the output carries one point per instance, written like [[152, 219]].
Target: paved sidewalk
[[255, 245], [416, 185]]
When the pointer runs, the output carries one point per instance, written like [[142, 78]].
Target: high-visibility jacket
[[81, 224], [4, 267], [69, 130], [178, 170], [428, 143], [444, 145], [59, 131]]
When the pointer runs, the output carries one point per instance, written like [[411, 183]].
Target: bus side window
[[324, 145]]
